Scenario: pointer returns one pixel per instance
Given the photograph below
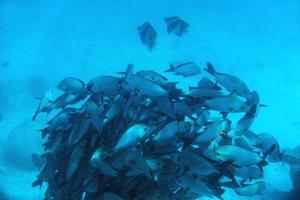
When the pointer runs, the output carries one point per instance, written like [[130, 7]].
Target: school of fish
[[137, 136]]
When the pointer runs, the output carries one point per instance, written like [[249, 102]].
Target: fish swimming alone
[[147, 35], [176, 25]]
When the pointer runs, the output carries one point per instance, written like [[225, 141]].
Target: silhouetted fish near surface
[[147, 35], [185, 69], [176, 25], [232, 83]]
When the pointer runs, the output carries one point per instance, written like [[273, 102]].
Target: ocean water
[[43, 41]]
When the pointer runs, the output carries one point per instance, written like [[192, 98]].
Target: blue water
[[45, 41]]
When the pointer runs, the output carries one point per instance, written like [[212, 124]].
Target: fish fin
[[38, 98], [262, 164], [37, 182], [270, 150], [263, 105], [210, 69], [38, 109], [172, 68]]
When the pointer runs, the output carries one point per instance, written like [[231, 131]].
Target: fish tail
[[263, 105], [172, 68], [38, 108], [210, 69]]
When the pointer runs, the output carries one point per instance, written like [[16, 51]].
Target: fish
[[75, 157], [213, 131], [95, 113], [237, 155], [205, 93], [185, 69], [182, 108], [153, 76], [143, 86], [79, 132], [227, 104], [71, 85], [176, 25], [105, 85], [254, 102], [196, 163], [242, 126], [203, 118], [249, 190], [194, 184], [165, 105], [170, 132], [232, 83], [133, 135], [147, 35], [269, 146], [206, 83], [247, 173], [97, 162]]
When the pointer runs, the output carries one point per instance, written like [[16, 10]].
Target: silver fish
[[237, 155], [97, 162], [170, 131], [185, 69], [105, 85], [71, 85], [232, 83], [205, 93], [227, 104], [143, 86], [153, 76], [216, 129], [133, 135]]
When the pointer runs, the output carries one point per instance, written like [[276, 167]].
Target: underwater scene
[[149, 100]]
